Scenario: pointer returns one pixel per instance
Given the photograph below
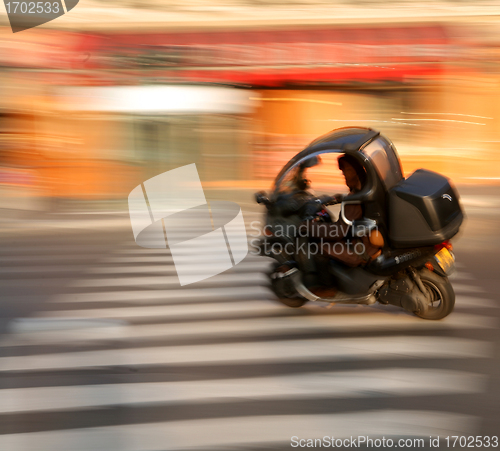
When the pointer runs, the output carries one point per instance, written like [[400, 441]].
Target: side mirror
[[261, 198], [311, 162]]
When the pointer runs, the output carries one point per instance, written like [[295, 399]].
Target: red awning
[[276, 57]]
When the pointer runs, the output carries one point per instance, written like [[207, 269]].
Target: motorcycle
[[410, 220]]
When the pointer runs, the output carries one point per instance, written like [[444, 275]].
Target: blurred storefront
[[97, 113]]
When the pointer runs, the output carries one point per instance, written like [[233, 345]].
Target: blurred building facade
[[89, 114]]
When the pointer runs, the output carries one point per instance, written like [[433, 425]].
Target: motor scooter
[[411, 220]]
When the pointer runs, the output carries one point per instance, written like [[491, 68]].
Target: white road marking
[[252, 267], [461, 288], [229, 432], [29, 332], [42, 325], [40, 259], [167, 267], [146, 252], [230, 277], [40, 251], [468, 301], [171, 311], [256, 262], [28, 271], [169, 280], [135, 249], [348, 384], [211, 309], [338, 349], [461, 275], [159, 296]]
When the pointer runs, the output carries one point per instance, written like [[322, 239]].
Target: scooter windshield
[[290, 181], [291, 177]]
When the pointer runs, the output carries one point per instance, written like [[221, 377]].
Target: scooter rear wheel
[[440, 293]]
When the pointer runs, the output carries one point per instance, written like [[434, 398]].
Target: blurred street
[[102, 349], [104, 346]]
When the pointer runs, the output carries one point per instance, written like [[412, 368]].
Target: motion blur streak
[[451, 114], [100, 345], [440, 120], [296, 100]]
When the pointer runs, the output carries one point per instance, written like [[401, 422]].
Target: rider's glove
[[338, 198], [331, 200]]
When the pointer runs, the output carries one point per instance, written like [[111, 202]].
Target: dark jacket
[[333, 241]]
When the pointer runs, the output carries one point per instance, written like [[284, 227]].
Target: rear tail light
[[429, 266], [444, 244]]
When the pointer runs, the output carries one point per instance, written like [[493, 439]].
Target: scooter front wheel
[[440, 294], [282, 286]]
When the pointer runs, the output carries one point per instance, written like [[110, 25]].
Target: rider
[[330, 233]]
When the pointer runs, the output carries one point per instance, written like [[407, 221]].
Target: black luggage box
[[424, 209]]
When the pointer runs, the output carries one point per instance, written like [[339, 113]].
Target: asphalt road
[[101, 349]]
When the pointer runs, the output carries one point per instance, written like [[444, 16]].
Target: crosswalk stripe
[[467, 301], [223, 278], [159, 296], [461, 275], [74, 257], [133, 250], [144, 265], [171, 311], [39, 326], [257, 261], [462, 288], [348, 384], [28, 271], [200, 295], [226, 278], [47, 252], [42, 331], [208, 309], [338, 349], [211, 308], [251, 430], [167, 267], [255, 267]]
